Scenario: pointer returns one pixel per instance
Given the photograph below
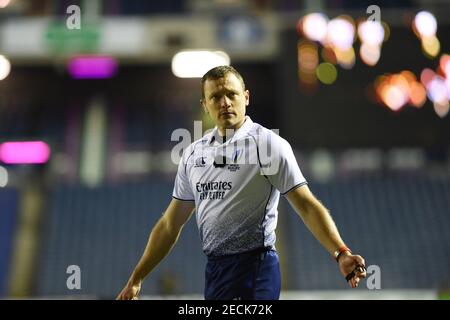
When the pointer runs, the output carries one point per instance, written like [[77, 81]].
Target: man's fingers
[[360, 271], [355, 276], [360, 260], [126, 296]]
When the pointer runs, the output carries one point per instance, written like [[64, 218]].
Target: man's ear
[[247, 97], [202, 103]]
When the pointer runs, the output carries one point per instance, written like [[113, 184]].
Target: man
[[235, 185]]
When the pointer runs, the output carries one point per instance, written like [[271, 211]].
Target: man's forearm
[[318, 220], [161, 240]]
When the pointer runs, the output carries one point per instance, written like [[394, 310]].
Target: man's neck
[[231, 130]]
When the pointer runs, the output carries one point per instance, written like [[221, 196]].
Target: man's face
[[226, 100]]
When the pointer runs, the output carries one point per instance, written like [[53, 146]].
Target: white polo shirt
[[236, 187]]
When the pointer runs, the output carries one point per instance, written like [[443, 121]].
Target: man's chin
[[229, 124]]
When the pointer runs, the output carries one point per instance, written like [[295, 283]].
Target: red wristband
[[340, 251]]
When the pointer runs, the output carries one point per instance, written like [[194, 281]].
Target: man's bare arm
[[319, 221], [162, 238], [316, 218]]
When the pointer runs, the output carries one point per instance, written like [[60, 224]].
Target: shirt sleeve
[[280, 165], [182, 188]]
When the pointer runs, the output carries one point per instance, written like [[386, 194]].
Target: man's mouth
[[227, 114]]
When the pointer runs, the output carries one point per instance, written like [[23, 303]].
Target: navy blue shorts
[[253, 275]]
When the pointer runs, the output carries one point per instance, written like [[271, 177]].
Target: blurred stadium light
[[4, 3], [194, 63], [27, 152], [5, 67], [3, 177], [92, 67]]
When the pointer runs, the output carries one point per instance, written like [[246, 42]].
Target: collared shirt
[[236, 186]]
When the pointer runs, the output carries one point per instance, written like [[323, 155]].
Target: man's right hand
[[130, 292]]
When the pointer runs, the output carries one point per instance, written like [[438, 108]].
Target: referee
[[232, 178]]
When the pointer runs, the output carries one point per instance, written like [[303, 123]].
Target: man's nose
[[225, 102]]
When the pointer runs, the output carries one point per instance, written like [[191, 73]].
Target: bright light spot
[[431, 46], [425, 24], [194, 64], [326, 73], [24, 152], [447, 84], [441, 109], [426, 76], [328, 55], [5, 67], [3, 177], [341, 33], [371, 32], [400, 82], [396, 90], [409, 76], [387, 31], [315, 26], [444, 64], [4, 3], [307, 78], [345, 58], [394, 97], [92, 67], [437, 90], [418, 94], [370, 54], [308, 57]]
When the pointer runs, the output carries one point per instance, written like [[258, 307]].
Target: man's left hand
[[348, 264]]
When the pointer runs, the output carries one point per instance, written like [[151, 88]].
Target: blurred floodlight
[[447, 84], [3, 177], [326, 73], [418, 94], [431, 46], [426, 76], [370, 54], [4, 3], [194, 64], [30, 152], [394, 97], [315, 26], [444, 64], [371, 32], [401, 82], [396, 90], [5, 67], [308, 56], [437, 90], [340, 33], [386, 31], [92, 67], [442, 108], [408, 76], [328, 55], [345, 58], [425, 24]]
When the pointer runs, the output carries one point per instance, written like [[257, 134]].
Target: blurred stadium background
[[86, 117]]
